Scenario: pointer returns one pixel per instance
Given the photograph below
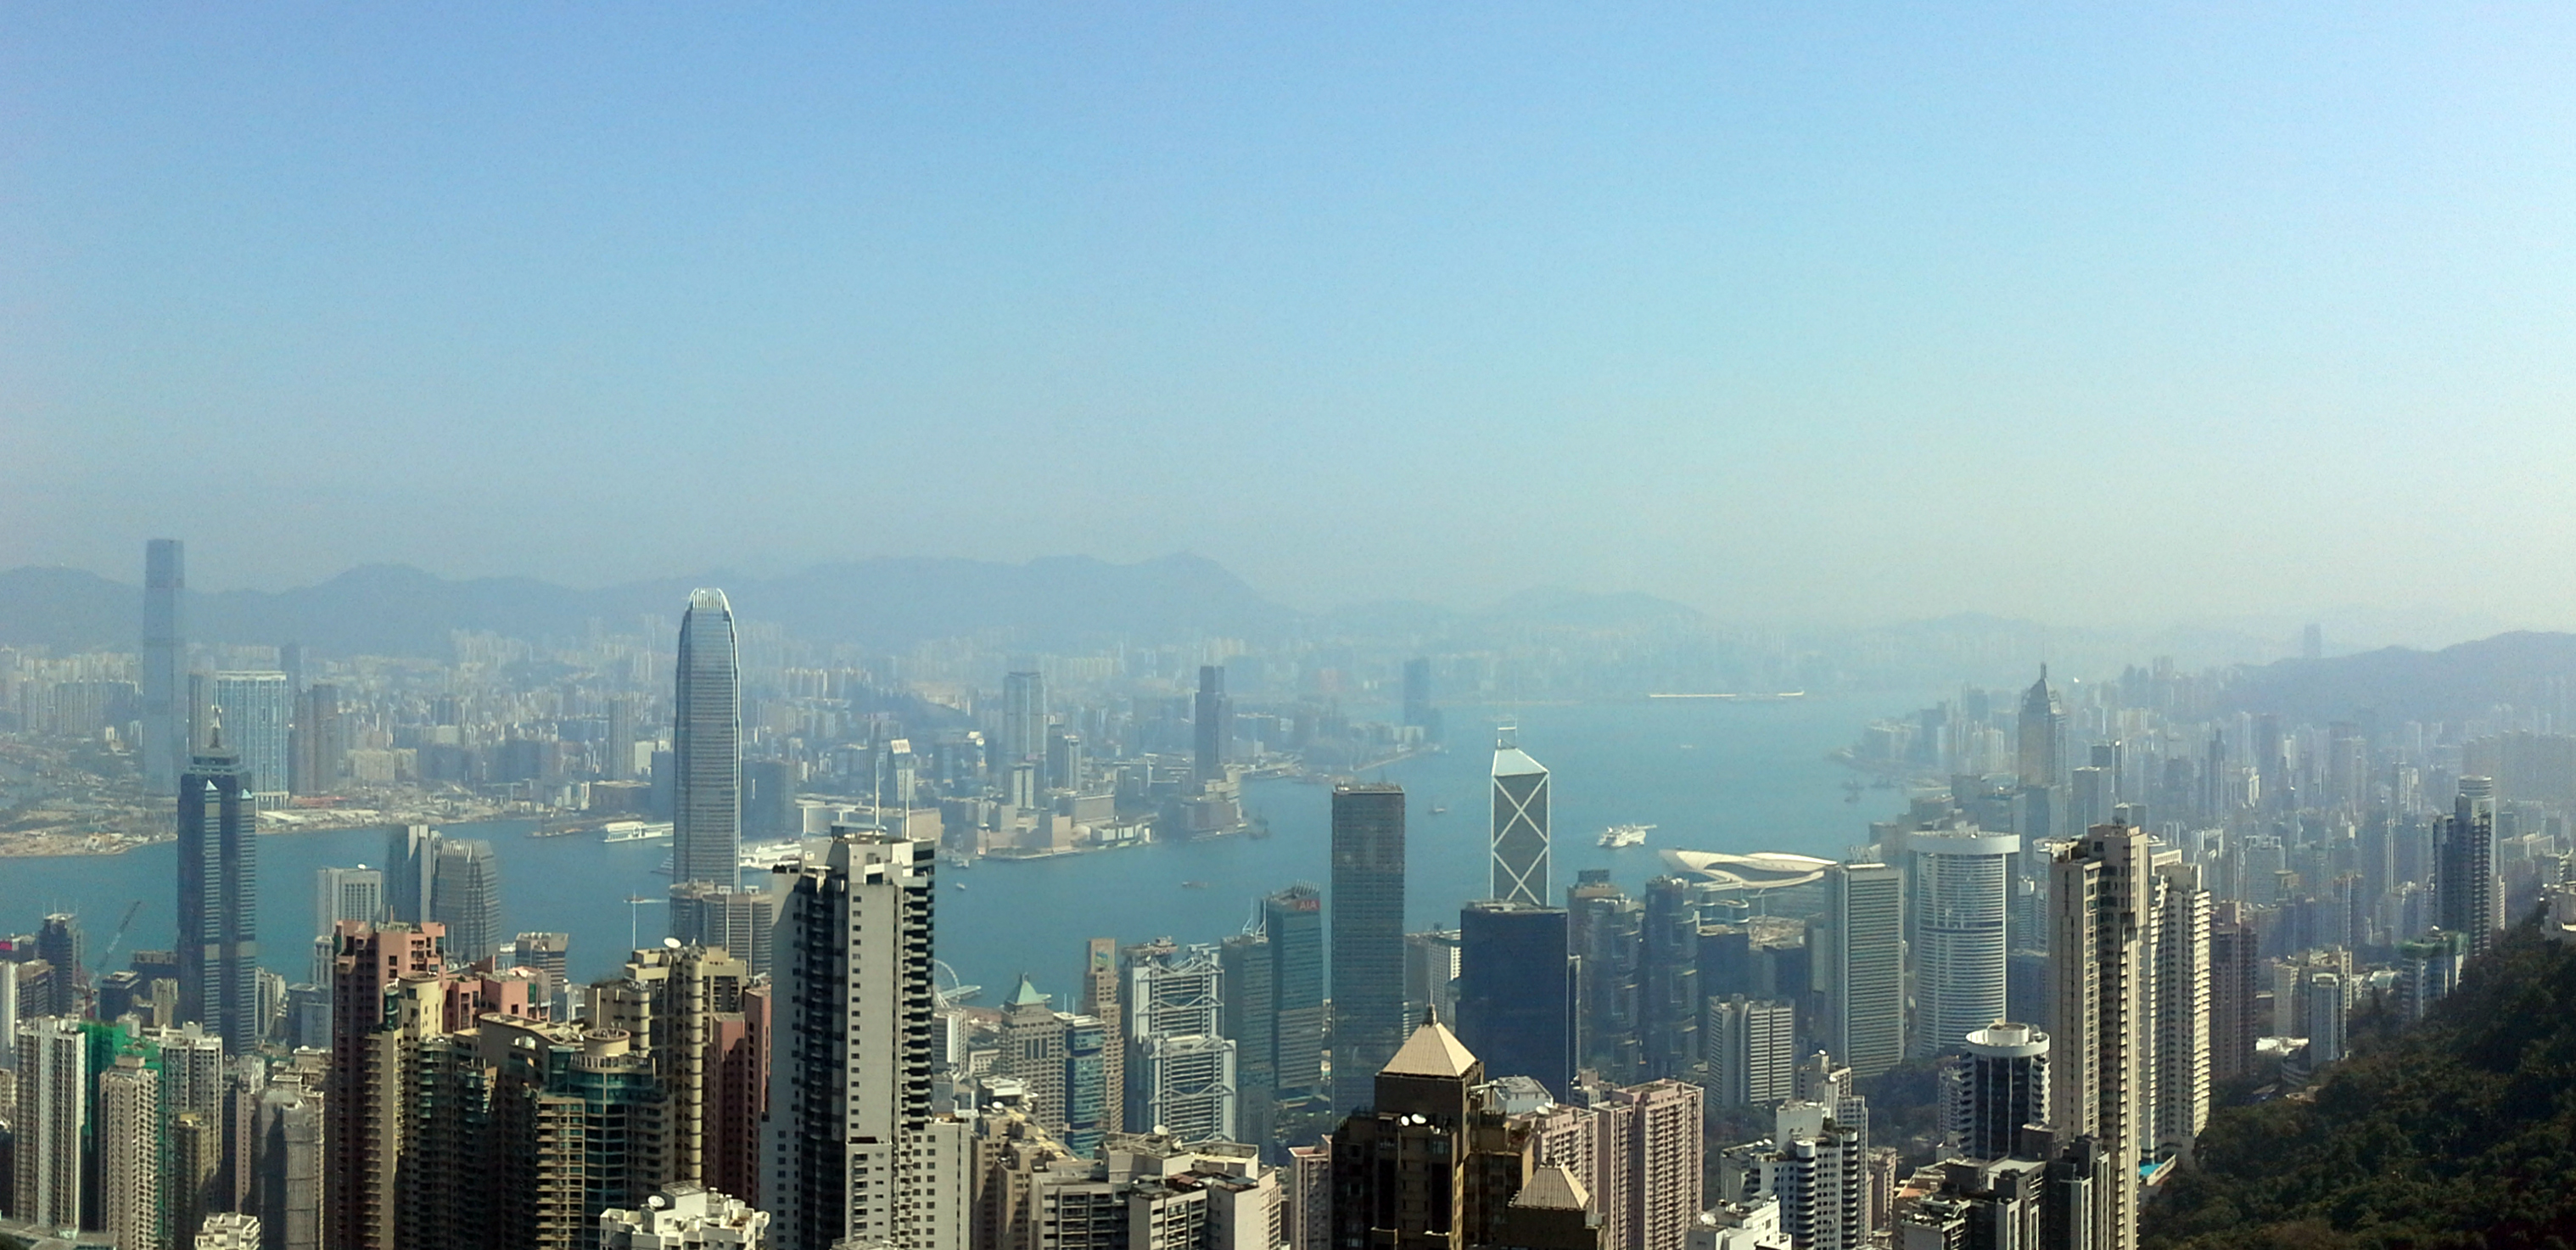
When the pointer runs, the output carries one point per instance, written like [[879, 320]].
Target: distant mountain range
[[2397, 684], [890, 604]]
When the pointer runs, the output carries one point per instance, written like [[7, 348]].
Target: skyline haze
[[2066, 315]]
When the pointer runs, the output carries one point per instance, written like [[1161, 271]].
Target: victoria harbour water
[[1710, 775]]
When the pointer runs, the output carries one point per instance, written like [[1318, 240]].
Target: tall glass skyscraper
[[1367, 937], [255, 710], [165, 664], [1516, 992], [706, 743], [219, 898], [467, 898], [1024, 718], [1293, 920], [1520, 824], [1962, 883]]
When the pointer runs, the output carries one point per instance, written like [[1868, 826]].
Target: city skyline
[[695, 560]]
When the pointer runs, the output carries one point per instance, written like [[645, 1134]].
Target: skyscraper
[[320, 740], [1516, 993], [2102, 968], [1251, 1022], [1368, 936], [1962, 891], [255, 711], [1859, 968], [347, 894], [1292, 920], [219, 898], [1024, 719], [2180, 1005], [467, 899], [1752, 1047], [2235, 973], [1669, 1001], [8, 1015], [1419, 712], [286, 1162], [1665, 1146], [1100, 1002], [1520, 829], [2467, 884], [368, 1093], [738, 918], [128, 1142], [850, 1149], [411, 872], [2042, 733], [1608, 934], [617, 759], [53, 1118], [1425, 1168], [165, 664], [1212, 725], [671, 1002], [1995, 1086], [1181, 1076], [60, 944], [706, 742]]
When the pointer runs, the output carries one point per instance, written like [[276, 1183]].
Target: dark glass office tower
[[219, 898], [165, 664], [1516, 992], [1418, 711], [1293, 920], [1212, 719], [1368, 937], [2466, 889], [706, 741], [1668, 998], [59, 943]]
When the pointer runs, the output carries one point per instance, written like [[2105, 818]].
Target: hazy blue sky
[[1782, 310]]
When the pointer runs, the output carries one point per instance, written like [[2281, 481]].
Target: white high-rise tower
[[2102, 989], [1962, 893]]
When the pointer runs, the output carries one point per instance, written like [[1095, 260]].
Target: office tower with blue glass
[[1516, 992], [1212, 725], [706, 741], [1367, 937], [219, 898]]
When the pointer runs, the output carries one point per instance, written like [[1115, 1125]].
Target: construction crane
[[118, 940]]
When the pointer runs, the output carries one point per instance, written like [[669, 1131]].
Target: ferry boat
[[1625, 835], [617, 831]]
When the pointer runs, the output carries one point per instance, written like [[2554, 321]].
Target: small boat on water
[[1617, 836], [1194, 885], [1439, 809]]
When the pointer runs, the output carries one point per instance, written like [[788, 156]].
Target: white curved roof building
[[1757, 873]]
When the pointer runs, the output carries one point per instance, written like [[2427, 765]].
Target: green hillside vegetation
[[2459, 1132]]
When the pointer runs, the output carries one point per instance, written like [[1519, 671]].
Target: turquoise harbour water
[[1710, 775]]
